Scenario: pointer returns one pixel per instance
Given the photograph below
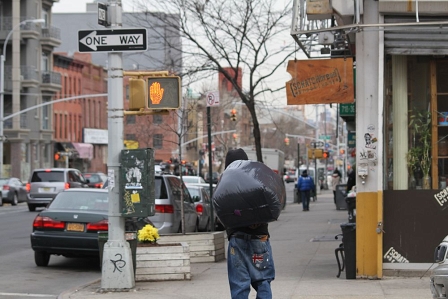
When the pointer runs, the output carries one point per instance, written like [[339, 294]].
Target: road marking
[[27, 295]]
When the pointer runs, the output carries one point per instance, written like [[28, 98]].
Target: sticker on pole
[[212, 98]]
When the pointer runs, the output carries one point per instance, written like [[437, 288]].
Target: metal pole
[[210, 168], [2, 91], [117, 266]]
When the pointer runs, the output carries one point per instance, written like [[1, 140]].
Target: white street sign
[[117, 40], [212, 98]]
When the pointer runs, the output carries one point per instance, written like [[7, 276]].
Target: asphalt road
[[20, 277]]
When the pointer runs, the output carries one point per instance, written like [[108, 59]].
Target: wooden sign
[[320, 81]]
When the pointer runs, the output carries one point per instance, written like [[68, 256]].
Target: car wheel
[[31, 208], [196, 227], [15, 200], [208, 227], [41, 258]]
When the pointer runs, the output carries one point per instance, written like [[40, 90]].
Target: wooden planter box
[[157, 263], [205, 247]]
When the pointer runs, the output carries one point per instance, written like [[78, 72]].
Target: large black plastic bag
[[247, 193]]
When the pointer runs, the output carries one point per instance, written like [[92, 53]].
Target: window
[[130, 119], [44, 63], [158, 141], [157, 119], [130, 137], [45, 124]]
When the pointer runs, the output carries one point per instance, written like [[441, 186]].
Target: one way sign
[[116, 40]]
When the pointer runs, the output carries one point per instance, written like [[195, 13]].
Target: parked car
[[45, 184], [12, 191], [158, 169], [290, 176], [203, 207], [96, 179], [215, 177], [193, 179], [438, 280], [70, 224], [218, 225], [167, 218]]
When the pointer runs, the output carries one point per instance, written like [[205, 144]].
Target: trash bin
[[131, 237], [297, 198], [351, 206], [349, 241], [341, 193]]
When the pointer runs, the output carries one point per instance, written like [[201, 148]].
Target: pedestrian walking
[[351, 179], [305, 185], [249, 255], [335, 180]]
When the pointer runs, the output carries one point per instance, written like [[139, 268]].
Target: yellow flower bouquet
[[148, 234]]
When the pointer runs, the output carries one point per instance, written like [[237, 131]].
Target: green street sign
[[347, 109]]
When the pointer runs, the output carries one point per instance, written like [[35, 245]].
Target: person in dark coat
[[249, 254], [305, 185], [351, 180]]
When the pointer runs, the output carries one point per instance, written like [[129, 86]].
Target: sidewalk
[[303, 245]]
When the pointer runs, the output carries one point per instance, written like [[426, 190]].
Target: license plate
[[46, 189], [75, 227]]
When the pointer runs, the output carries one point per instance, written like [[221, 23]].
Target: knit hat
[[305, 172], [236, 154]]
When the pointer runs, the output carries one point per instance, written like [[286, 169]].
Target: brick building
[[80, 125]]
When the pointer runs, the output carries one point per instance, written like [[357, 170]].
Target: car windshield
[[48, 176], [91, 201], [3, 182], [194, 191], [193, 179], [93, 178]]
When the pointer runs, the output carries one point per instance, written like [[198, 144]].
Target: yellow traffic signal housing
[[315, 153], [164, 92], [137, 94]]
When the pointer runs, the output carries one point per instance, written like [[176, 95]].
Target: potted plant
[[156, 261], [148, 235], [413, 163], [420, 124]]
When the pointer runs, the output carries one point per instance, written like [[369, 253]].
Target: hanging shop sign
[[320, 81]]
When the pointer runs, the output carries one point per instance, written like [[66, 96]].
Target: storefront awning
[[65, 147], [85, 150]]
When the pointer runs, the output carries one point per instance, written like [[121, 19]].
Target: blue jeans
[[305, 199], [250, 263]]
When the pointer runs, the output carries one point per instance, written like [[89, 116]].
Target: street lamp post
[[2, 84]]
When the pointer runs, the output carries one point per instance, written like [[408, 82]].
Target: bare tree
[[244, 35]]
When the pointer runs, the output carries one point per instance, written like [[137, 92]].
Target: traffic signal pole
[[117, 267]]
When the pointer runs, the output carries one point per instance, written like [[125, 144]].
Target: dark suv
[[44, 184]]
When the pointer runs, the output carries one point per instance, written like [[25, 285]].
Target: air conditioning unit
[[318, 9]]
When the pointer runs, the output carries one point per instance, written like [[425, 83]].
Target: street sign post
[[102, 14], [317, 144], [115, 40]]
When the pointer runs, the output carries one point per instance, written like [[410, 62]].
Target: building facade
[[400, 51], [80, 125], [29, 81], [143, 131]]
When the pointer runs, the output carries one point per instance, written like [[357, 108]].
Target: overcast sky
[[79, 5]]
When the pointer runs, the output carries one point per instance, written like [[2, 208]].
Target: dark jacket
[[305, 183], [351, 180]]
